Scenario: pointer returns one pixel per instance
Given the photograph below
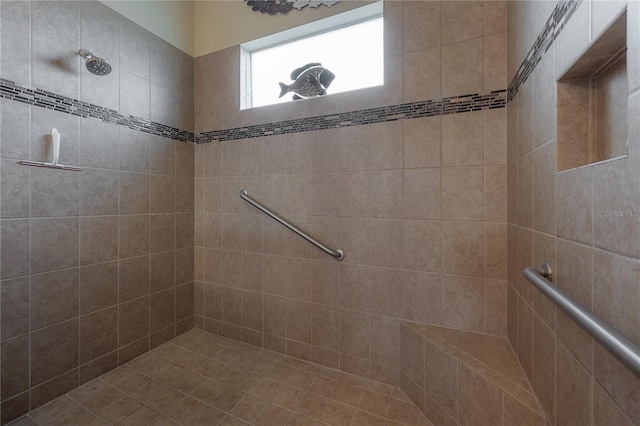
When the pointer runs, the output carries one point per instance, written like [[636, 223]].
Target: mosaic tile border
[[452, 105], [552, 28], [42, 98], [429, 108]]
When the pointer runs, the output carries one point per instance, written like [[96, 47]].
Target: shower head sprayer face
[[95, 65]]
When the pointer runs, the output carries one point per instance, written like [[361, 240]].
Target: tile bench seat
[[463, 378]]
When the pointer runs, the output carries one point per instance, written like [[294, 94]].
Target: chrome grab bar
[[337, 254], [619, 345]]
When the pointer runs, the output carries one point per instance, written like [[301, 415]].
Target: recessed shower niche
[[592, 102]]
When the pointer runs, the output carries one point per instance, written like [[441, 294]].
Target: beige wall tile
[[463, 248], [463, 302], [495, 193], [354, 333], [252, 308], [441, 378], [525, 190], [495, 307], [250, 157], [15, 307], [252, 233], [353, 148], [54, 244], [299, 278], [386, 291], [162, 232], [355, 239], [325, 327], [463, 67], [478, 399], [524, 241], [495, 62], [461, 21], [544, 366], [495, 241], [385, 340], [386, 195], [615, 225], [387, 236], [98, 334], [574, 389], [525, 118], [275, 315], [605, 410], [54, 351], [462, 139], [386, 144], [421, 25], [355, 282], [512, 317], [355, 199], [617, 382], [54, 194], [422, 245], [495, 136], [495, 17], [422, 75], [54, 297], [422, 189], [134, 193], [162, 271], [544, 188], [232, 306], [133, 321], [422, 142], [133, 235], [544, 249], [544, 102], [462, 193], [525, 337], [423, 297], [162, 156], [98, 239], [133, 278], [299, 320], [573, 271], [325, 287], [15, 366], [615, 291], [275, 156]]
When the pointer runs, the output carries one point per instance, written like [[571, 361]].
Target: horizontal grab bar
[[337, 254], [619, 345]]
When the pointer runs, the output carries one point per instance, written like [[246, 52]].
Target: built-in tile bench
[[462, 378]]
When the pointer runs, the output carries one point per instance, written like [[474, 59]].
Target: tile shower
[[147, 281]]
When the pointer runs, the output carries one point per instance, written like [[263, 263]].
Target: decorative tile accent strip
[[453, 105], [554, 25], [48, 100]]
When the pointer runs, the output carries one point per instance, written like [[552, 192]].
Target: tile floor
[[200, 378]]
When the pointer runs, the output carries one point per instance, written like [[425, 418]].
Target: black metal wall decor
[[273, 7]]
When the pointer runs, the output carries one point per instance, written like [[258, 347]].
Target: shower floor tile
[[200, 378]]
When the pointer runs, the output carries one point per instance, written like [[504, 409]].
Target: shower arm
[[336, 254]]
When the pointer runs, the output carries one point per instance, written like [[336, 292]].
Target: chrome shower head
[[95, 65]]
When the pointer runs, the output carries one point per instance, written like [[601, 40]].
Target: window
[[349, 45]]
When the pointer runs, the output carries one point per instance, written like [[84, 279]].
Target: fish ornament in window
[[273, 7], [310, 80]]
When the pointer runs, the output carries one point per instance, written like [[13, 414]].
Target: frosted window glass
[[354, 54]]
